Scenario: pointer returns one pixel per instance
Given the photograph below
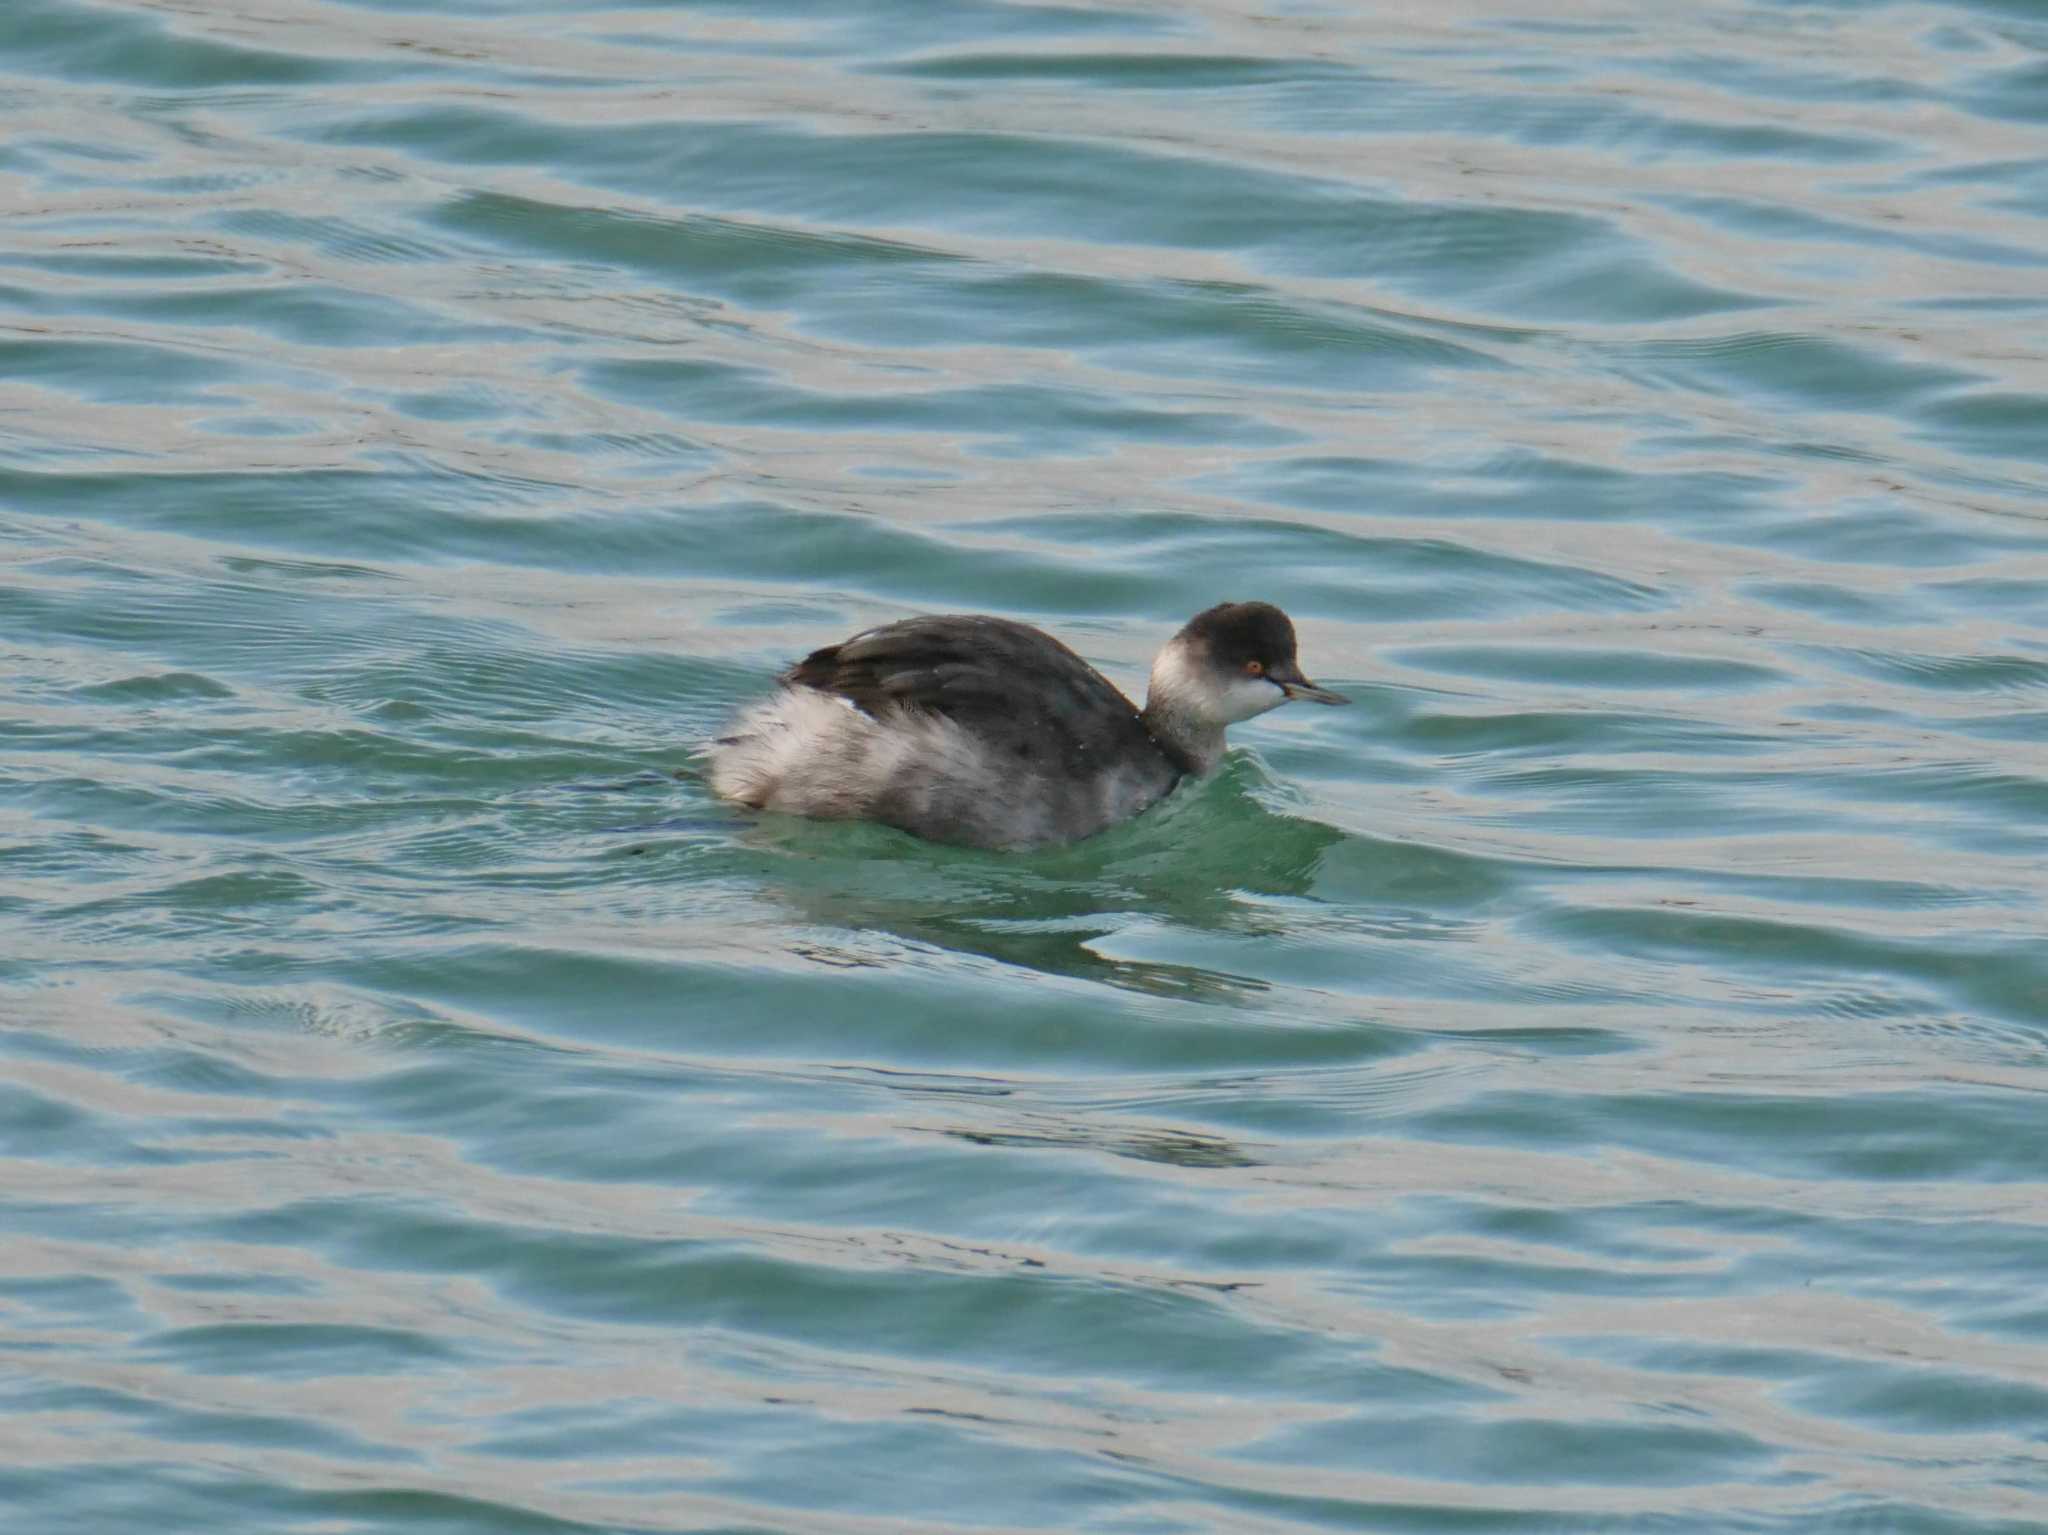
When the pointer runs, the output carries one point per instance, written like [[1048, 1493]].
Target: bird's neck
[[1174, 717]]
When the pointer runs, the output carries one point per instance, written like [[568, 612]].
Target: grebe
[[991, 733]]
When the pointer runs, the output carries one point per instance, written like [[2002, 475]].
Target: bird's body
[[991, 733]]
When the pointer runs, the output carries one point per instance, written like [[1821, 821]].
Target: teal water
[[1594, 1084]]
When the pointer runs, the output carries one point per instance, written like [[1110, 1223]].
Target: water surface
[[1596, 1083]]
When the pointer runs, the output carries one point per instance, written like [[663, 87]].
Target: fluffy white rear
[[811, 753]]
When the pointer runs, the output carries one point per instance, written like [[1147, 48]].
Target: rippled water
[[1594, 1084]]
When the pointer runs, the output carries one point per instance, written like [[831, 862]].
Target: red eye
[[1255, 668]]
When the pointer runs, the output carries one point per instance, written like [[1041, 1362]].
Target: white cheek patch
[[1245, 697], [1206, 694]]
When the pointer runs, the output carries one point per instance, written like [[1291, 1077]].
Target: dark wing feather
[[1017, 688]]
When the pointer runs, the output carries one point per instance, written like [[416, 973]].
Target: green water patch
[[1529, 262], [92, 45]]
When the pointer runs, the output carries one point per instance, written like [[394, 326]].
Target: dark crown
[[1232, 633]]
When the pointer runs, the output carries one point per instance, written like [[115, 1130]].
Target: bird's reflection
[[1188, 863]]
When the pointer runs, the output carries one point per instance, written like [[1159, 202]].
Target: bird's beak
[[1298, 687]]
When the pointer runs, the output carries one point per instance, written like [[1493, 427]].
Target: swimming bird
[[990, 733]]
